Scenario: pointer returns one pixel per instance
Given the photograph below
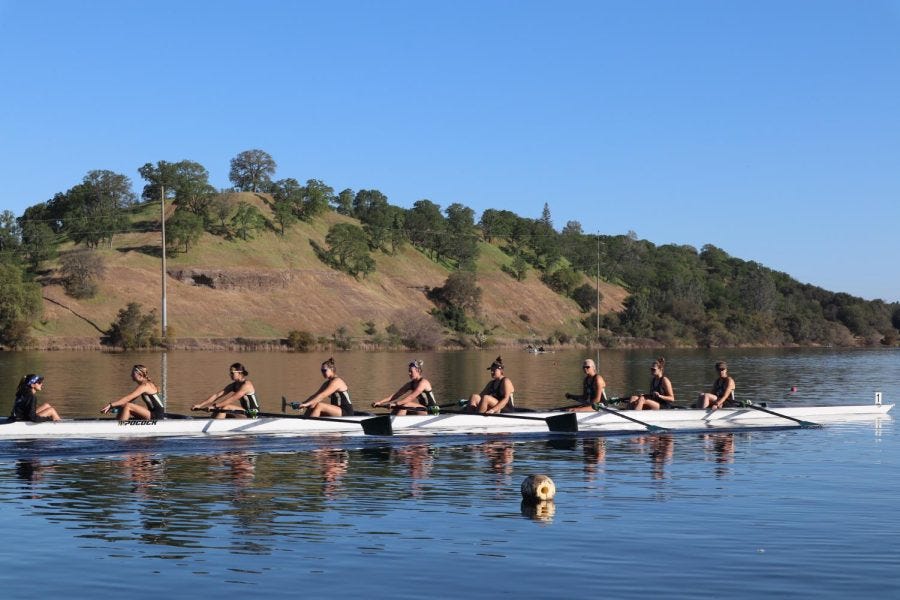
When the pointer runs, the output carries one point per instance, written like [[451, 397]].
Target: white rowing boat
[[607, 422]]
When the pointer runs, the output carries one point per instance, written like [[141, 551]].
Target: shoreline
[[239, 344]]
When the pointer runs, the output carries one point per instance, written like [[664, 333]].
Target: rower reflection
[[720, 446], [500, 457], [594, 451], [419, 460], [333, 465], [660, 448]]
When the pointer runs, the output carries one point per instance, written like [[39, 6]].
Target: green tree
[[133, 328], [563, 280], [343, 202], [459, 297], [546, 220], [39, 243], [94, 208], [316, 199], [425, 227], [349, 249], [461, 242], [20, 304], [518, 269], [184, 229], [585, 296], [186, 181], [252, 170], [246, 220], [10, 234], [287, 195]]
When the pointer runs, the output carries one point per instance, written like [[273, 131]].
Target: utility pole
[[162, 204], [165, 355]]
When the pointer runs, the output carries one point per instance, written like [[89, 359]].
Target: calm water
[[799, 513]]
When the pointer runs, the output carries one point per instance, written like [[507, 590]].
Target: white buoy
[[538, 487]]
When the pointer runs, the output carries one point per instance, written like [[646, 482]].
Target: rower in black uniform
[[334, 390], [237, 399], [416, 394], [147, 391]]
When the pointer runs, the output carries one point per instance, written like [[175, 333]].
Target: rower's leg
[[705, 399], [474, 401], [46, 410], [487, 402]]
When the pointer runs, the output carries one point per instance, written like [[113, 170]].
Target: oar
[[567, 422], [380, 425], [618, 413], [803, 424]]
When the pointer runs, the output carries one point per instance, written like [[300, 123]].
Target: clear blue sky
[[769, 129]]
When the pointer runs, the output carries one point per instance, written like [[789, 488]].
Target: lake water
[[784, 513]]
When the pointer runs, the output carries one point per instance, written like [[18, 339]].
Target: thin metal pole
[[598, 300], [162, 204]]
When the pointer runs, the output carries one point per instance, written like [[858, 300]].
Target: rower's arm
[[129, 397], [211, 399], [327, 388], [393, 396]]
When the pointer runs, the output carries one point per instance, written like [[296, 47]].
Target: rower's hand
[[568, 396], [106, 409]]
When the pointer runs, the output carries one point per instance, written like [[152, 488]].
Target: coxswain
[[25, 406]]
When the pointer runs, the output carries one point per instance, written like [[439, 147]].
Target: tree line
[[678, 295]]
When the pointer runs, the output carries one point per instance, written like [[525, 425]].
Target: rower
[[237, 399], [335, 390], [661, 395], [25, 406], [147, 391], [722, 390], [593, 389], [416, 394], [497, 395]]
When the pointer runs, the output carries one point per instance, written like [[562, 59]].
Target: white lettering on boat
[[126, 423]]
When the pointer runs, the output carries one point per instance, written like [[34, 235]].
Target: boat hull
[[446, 424]]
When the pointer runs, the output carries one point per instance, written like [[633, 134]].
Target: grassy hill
[[265, 287]]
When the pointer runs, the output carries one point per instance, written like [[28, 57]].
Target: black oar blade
[[380, 425], [566, 423]]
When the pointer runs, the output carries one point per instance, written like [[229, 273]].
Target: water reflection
[[720, 447], [594, 451], [333, 465], [419, 461], [659, 447], [541, 510]]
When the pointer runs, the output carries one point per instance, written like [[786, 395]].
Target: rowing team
[[238, 398], [661, 394]]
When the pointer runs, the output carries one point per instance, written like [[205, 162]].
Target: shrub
[[300, 341], [80, 272], [133, 329]]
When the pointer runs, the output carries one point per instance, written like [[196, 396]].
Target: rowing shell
[[447, 424]]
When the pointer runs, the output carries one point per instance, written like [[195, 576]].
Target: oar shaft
[[632, 419], [802, 423]]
